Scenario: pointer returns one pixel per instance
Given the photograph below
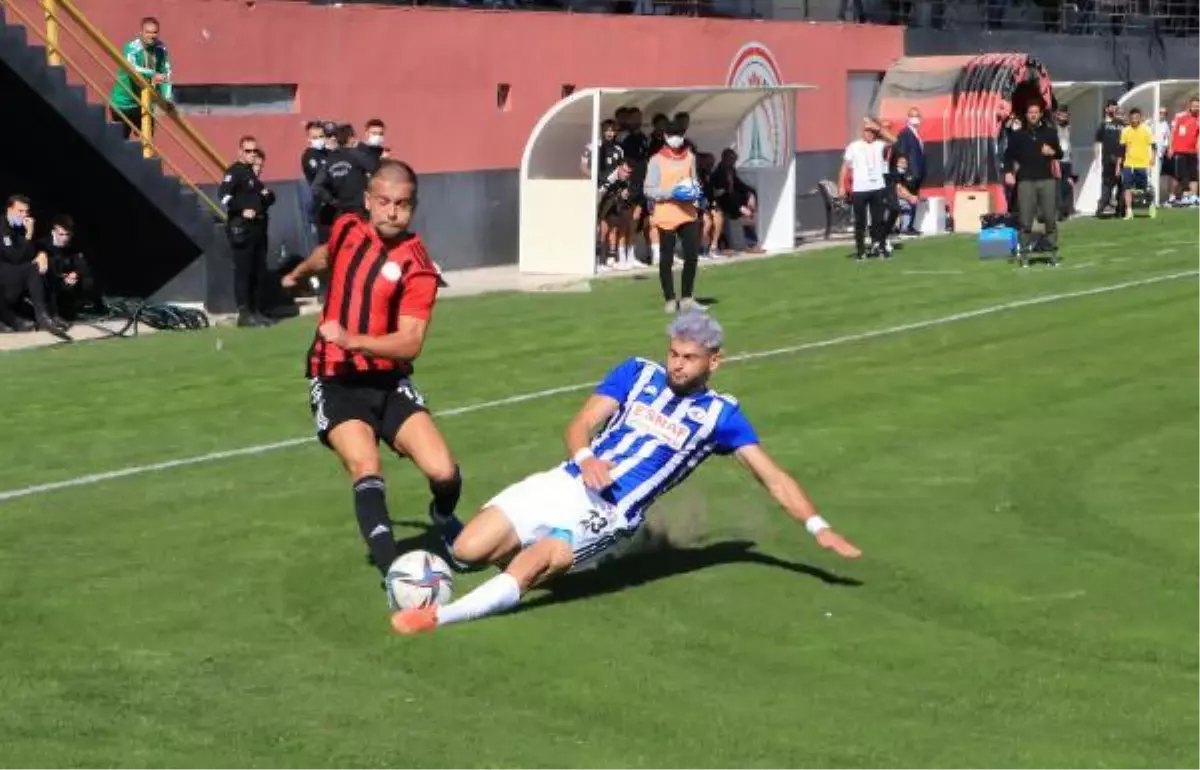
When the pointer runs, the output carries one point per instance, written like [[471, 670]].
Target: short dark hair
[[310, 125], [344, 134], [621, 111], [375, 123], [607, 124], [1135, 111], [395, 166], [261, 153], [683, 115], [17, 199], [150, 20], [64, 221]]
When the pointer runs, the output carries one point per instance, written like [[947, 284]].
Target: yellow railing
[[88, 39]]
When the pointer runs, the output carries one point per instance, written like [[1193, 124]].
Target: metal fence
[[1074, 17]]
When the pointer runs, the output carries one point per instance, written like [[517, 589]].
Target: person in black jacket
[[1029, 163], [69, 284], [246, 201], [21, 271], [342, 183]]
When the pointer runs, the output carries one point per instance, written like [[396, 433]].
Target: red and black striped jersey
[[371, 285]]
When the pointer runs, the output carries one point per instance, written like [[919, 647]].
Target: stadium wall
[[434, 74]]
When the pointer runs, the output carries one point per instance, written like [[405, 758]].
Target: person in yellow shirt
[[1138, 147]]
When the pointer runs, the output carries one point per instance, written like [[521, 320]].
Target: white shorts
[[556, 504]]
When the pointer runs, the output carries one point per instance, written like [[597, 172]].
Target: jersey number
[[411, 393], [595, 522]]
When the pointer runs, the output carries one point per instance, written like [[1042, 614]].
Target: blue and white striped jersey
[[656, 438]]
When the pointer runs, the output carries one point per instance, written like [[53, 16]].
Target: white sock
[[496, 595], [627, 254], [654, 256]]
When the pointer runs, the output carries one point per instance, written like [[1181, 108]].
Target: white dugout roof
[[558, 203], [1148, 97]]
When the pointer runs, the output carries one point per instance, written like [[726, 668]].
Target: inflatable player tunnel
[[964, 101]]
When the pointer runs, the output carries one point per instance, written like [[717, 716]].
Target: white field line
[[182, 462]]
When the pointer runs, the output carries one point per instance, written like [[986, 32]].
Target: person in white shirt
[[865, 164], [1162, 140]]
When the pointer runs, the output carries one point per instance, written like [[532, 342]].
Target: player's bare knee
[[441, 470]]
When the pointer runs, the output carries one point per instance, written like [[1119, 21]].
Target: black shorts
[[383, 403], [1185, 167]]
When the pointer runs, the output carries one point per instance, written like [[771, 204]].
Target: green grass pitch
[[1023, 485]]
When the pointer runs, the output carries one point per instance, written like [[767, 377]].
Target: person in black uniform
[[1108, 141], [21, 272], [69, 284], [342, 182], [246, 201]]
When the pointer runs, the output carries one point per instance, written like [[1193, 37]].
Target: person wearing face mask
[[911, 146], [69, 284], [22, 271], [342, 182], [374, 142], [671, 184], [314, 151]]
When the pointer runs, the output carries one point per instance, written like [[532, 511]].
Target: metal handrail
[[98, 37], [146, 140]]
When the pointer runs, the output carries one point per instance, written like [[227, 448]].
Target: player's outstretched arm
[[792, 498], [317, 262], [596, 411]]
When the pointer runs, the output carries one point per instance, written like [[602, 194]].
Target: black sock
[[370, 506], [445, 494]]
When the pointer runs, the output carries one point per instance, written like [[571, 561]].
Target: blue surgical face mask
[[316, 144], [16, 220]]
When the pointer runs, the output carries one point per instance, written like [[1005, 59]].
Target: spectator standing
[[69, 284], [375, 142], [609, 152], [148, 56], [22, 271], [671, 185], [1029, 163], [864, 163], [615, 214], [1137, 158], [1066, 180], [1185, 144], [1162, 142], [1108, 150], [246, 202], [342, 183], [314, 153], [911, 146]]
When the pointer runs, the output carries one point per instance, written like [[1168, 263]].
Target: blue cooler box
[[997, 242]]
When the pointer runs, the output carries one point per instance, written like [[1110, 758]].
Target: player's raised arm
[[596, 411], [792, 498], [317, 262]]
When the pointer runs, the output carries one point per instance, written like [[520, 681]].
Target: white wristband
[[815, 524], [582, 454]]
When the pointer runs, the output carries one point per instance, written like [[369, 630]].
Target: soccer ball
[[419, 579]]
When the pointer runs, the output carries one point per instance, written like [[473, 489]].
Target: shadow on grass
[[667, 560]]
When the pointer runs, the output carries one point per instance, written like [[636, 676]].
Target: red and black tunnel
[[964, 102]]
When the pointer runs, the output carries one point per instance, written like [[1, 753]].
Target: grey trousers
[[1038, 199]]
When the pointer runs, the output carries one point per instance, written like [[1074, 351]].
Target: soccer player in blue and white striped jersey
[[644, 430]]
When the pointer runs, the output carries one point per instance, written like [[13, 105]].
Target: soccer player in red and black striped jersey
[[382, 289]]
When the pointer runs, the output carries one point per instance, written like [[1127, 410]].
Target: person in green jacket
[[148, 56]]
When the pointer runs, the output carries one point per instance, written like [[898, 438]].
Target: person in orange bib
[[671, 184]]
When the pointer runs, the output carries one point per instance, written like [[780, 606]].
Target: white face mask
[[914, 121], [59, 239], [316, 144], [375, 140], [674, 142]]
